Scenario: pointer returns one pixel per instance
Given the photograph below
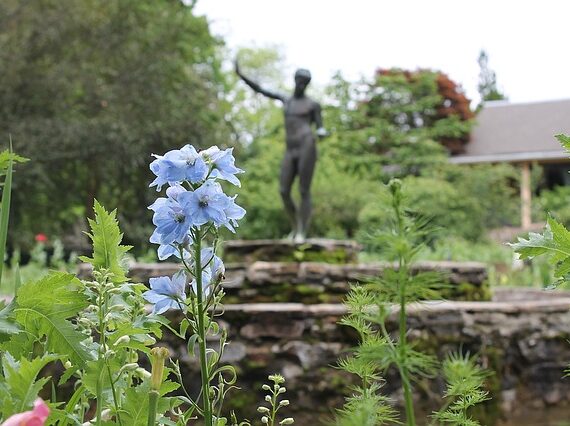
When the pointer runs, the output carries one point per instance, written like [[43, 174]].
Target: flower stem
[[152, 405], [403, 271], [102, 349], [207, 409]]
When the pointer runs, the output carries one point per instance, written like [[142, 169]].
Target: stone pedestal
[[312, 250]]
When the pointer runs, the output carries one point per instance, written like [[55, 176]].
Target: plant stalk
[[207, 408], [152, 406]]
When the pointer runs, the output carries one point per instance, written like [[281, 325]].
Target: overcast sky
[[527, 41]]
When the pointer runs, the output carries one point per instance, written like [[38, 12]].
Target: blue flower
[[212, 263], [166, 293], [205, 204], [206, 283], [233, 213], [167, 250], [224, 164], [171, 220], [178, 165]]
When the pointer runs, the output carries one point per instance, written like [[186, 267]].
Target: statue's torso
[[299, 115]]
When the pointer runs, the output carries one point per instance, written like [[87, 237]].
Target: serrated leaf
[[108, 253], [535, 245], [565, 141], [58, 293], [554, 241], [42, 309], [20, 378], [136, 403], [94, 371], [7, 324], [19, 345], [560, 235]]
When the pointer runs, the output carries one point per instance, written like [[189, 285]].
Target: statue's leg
[[306, 169], [288, 172]]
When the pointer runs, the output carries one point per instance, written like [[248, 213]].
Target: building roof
[[506, 132]]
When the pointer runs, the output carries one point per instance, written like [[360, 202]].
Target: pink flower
[[36, 417]]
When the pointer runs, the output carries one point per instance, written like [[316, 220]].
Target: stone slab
[[318, 282], [322, 249]]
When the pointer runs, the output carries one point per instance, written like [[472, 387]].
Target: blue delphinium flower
[[233, 214], [212, 263], [167, 250], [224, 164], [178, 165], [171, 220], [205, 204], [166, 293], [206, 283]]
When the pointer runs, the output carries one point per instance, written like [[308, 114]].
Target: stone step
[[318, 282], [523, 341], [312, 249]]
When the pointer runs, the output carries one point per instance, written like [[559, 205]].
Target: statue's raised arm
[[256, 87]]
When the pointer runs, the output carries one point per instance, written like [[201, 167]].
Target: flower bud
[[262, 410], [265, 420], [268, 398], [265, 387], [287, 421], [284, 403], [277, 379], [282, 390], [121, 340], [142, 373], [128, 367], [158, 355], [117, 308], [67, 364]]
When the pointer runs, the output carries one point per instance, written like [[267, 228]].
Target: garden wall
[[524, 341]]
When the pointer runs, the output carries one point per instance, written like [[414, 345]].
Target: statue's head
[[302, 80]]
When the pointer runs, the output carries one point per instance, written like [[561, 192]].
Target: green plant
[[369, 307], [465, 380], [554, 242]]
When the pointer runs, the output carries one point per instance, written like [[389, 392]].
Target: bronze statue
[[300, 113]]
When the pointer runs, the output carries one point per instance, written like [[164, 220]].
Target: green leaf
[[565, 141], [136, 402], [555, 241], [21, 380], [43, 307], [7, 324], [19, 345], [7, 157], [5, 211], [108, 253]]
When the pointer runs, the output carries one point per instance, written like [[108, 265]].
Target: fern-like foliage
[[43, 309], [108, 253], [18, 385], [366, 407], [465, 381]]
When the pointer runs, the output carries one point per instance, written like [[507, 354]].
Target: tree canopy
[[90, 89]]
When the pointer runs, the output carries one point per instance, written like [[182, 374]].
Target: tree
[[403, 118], [90, 89], [487, 85]]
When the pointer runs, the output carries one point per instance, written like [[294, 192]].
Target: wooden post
[[526, 219]]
